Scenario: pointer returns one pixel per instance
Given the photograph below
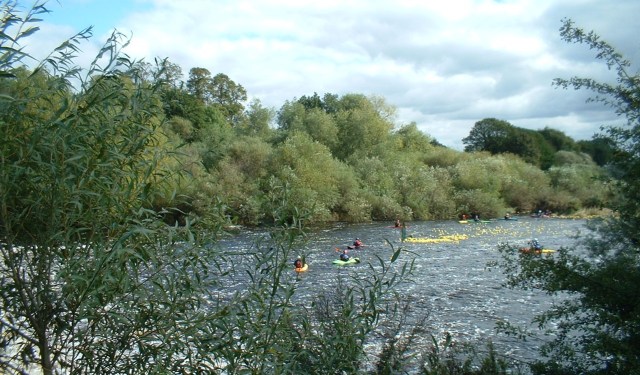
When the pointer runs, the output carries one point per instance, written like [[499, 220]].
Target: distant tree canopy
[[537, 147], [345, 158]]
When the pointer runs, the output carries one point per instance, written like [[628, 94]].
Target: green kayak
[[347, 262]]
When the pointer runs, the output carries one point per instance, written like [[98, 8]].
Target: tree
[[602, 149], [488, 134], [311, 172], [498, 136], [360, 127], [597, 323], [228, 97], [91, 278], [257, 120], [199, 84], [559, 140], [170, 73], [412, 139], [310, 102]]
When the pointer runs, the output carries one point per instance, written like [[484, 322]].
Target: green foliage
[[570, 157], [383, 175], [228, 96], [360, 127], [580, 182], [595, 322], [485, 204], [558, 140], [182, 127], [92, 280], [412, 139], [480, 173], [257, 121], [199, 83], [314, 121], [490, 135], [444, 157], [179, 103], [218, 92], [498, 136], [445, 358], [601, 149], [311, 172], [524, 186], [237, 178], [426, 192]]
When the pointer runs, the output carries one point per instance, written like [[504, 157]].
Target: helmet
[[357, 239], [535, 239], [299, 257]]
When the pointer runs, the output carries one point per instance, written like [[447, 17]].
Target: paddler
[[535, 245], [298, 262], [344, 256]]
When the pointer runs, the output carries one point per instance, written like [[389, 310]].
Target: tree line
[[344, 158], [538, 147]]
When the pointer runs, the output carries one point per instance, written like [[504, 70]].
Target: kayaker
[[476, 217], [357, 243], [298, 262], [397, 224], [507, 216], [535, 245], [344, 256]]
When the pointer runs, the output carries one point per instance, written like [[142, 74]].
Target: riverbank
[[589, 213]]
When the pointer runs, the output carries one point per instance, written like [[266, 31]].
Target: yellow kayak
[[528, 250], [302, 269], [450, 238]]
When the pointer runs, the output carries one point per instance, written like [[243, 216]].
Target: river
[[453, 286]]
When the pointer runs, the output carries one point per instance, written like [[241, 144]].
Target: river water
[[454, 289]]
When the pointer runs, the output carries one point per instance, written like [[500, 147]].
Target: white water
[[453, 286]]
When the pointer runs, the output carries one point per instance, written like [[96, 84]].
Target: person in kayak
[[344, 256], [298, 262], [357, 243], [397, 224], [507, 216], [476, 217], [535, 245]]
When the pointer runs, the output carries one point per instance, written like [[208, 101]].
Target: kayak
[[509, 219], [528, 250], [450, 238], [347, 262], [473, 221], [302, 269], [351, 247]]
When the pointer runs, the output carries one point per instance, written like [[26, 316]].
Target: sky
[[443, 64]]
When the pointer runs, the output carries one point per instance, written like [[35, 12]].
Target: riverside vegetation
[[116, 181]]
